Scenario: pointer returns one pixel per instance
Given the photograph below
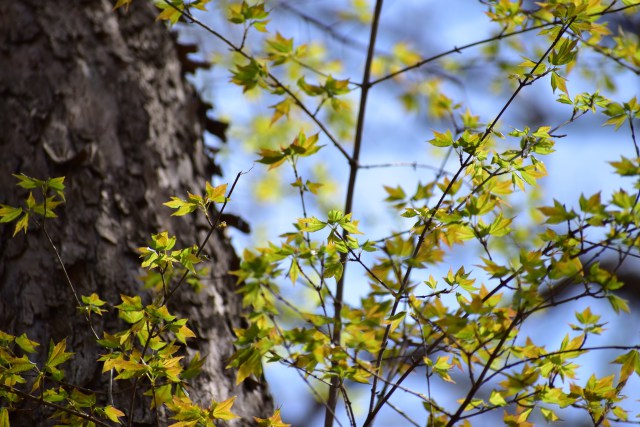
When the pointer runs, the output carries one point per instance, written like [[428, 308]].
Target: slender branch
[[503, 283], [68, 279], [273, 78], [167, 296], [307, 238], [302, 376], [403, 414], [353, 172], [328, 29], [596, 48], [413, 165], [55, 405], [64, 269], [487, 366], [427, 226], [560, 353], [456, 49], [201, 246], [500, 36]]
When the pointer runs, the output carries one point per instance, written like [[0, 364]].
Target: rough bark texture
[[99, 97]]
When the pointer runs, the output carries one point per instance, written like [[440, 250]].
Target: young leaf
[[311, 224], [222, 410], [9, 213], [273, 421], [216, 194], [26, 344], [22, 224], [113, 413], [182, 207]]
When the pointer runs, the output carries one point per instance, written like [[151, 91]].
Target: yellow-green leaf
[[26, 344], [113, 413], [273, 421], [222, 410], [216, 194]]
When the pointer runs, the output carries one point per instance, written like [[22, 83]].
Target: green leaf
[[160, 395], [182, 207], [6, 338], [27, 182], [350, 227], [113, 414], [57, 353], [618, 304], [549, 415], [500, 226], [305, 146], [281, 109], [626, 167], [334, 216], [109, 341], [249, 75], [558, 82], [170, 12], [82, 400], [26, 344], [280, 44], [310, 89], [272, 158], [333, 269], [279, 49], [194, 367], [4, 417], [557, 213], [93, 299], [22, 224], [249, 362], [394, 194], [216, 194], [241, 13], [335, 87], [9, 213], [620, 413], [311, 224], [441, 367], [395, 320], [630, 363], [294, 271], [496, 399], [222, 410], [162, 241], [183, 333], [130, 303], [56, 184], [273, 421], [442, 139]]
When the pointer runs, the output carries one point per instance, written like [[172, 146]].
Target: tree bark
[[99, 97]]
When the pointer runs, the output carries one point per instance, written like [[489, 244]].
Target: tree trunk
[[99, 97]]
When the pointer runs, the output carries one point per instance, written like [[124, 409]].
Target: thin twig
[[64, 269], [413, 165], [151, 333], [427, 226], [55, 405], [353, 172], [500, 36], [201, 246], [273, 78]]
